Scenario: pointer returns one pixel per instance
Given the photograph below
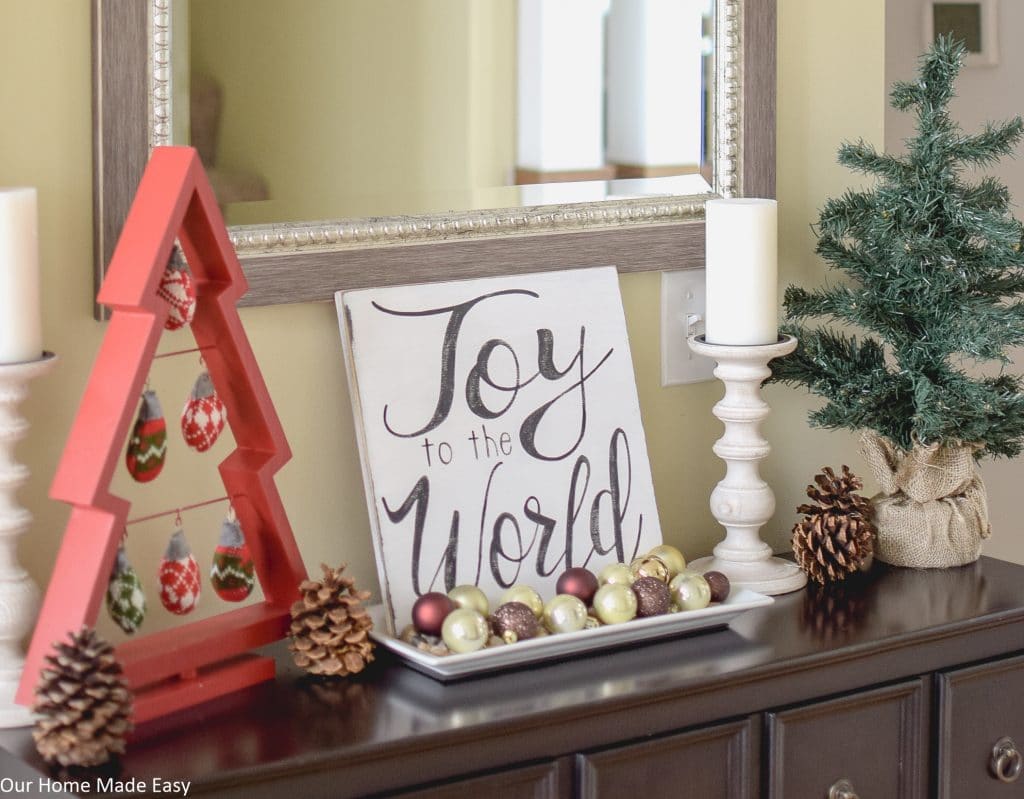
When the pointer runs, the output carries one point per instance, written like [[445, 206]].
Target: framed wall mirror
[[354, 143]]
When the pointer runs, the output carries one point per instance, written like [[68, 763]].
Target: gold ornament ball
[[565, 613], [670, 556], [690, 591], [650, 566], [469, 596], [465, 630], [615, 603], [615, 573], [528, 596]]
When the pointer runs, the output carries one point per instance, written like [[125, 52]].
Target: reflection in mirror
[[331, 109]]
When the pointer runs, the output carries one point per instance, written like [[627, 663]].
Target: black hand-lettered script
[[512, 542]]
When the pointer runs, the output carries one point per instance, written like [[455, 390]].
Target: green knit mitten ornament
[[233, 573], [147, 446], [126, 603]]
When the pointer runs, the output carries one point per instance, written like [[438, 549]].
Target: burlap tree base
[[932, 512]]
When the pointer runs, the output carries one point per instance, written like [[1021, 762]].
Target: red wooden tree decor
[[198, 661]]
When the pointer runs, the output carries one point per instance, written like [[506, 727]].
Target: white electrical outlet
[[682, 315]]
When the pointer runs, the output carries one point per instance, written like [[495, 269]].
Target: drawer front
[[876, 740], [542, 781], [978, 707], [712, 763]]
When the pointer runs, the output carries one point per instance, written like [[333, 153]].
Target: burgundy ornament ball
[[514, 621], [579, 582], [652, 596], [429, 612], [719, 585]]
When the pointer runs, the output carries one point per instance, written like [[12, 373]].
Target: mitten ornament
[[82, 703], [204, 415], [836, 536], [179, 291], [179, 576], [147, 445], [126, 603], [232, 574]]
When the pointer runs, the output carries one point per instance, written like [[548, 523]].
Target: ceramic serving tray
[[559, 647]]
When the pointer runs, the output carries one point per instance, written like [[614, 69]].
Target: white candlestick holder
[[742, 502], [19, 595]]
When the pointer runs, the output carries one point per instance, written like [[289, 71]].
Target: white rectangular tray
[[552, 647]]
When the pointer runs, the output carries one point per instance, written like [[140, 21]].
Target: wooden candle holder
[[742, 502]]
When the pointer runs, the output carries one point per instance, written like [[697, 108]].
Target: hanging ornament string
[[175, 353], [177, 511]]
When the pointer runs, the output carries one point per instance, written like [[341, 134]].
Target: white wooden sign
[[499, 431]]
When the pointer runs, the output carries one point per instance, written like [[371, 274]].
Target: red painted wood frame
[[198, 661]]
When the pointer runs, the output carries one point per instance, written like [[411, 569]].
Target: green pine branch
[[932, 267]]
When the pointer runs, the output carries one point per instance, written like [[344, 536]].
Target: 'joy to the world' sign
[[499, 432]]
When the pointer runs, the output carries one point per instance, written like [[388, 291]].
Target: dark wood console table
[[901, 685]]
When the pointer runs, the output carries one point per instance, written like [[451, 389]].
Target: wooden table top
[[394, 726]]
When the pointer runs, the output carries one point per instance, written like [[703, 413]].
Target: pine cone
[[330, 628], [83, 703], [836, 536]]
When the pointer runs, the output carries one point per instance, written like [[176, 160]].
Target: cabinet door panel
[[876, 740], [978, 707], [712, 763], [542, 781]]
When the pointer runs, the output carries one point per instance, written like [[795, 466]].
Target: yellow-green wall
[[363, 107], [830, 88]]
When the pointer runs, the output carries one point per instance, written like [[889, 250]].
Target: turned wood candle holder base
[[742, 502], [19, 596]]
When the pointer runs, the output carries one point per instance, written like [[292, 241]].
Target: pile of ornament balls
[[656, 583]]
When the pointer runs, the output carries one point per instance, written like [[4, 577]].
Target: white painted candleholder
[[19, 596], [742, 502]]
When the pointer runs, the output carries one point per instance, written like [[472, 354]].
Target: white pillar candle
[[21, 335], [742, 271]]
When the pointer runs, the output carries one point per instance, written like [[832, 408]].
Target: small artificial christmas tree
[[932, 263]]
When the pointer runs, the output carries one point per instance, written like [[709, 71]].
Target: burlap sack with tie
[[932, 512]]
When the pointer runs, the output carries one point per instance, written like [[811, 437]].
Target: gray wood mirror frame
[[308, 261]]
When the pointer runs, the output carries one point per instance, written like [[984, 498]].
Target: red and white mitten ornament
[[203, 416], [179, 576], [233, 574], [147, 445], [179, 291]]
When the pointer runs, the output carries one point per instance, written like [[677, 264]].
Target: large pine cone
[[83, 703], [836, 535], [330, 628]]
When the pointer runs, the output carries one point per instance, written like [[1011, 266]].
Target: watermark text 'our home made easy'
[[99, 785]]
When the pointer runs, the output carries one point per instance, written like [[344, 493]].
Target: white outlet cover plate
[[682, 294]]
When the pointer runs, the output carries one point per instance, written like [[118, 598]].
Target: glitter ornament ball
[[464, 630], [670, 556], [430, 611], [616, 573], [203, 416], [147, 445], [179, 576], [690, 591], [615, 603], [652, 597], [513, 622], [719, 585], [650, 566], [565, 613], [528, 596], [579, 582], [469, 596], [126, 602], [179, 291], [232, 574]]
